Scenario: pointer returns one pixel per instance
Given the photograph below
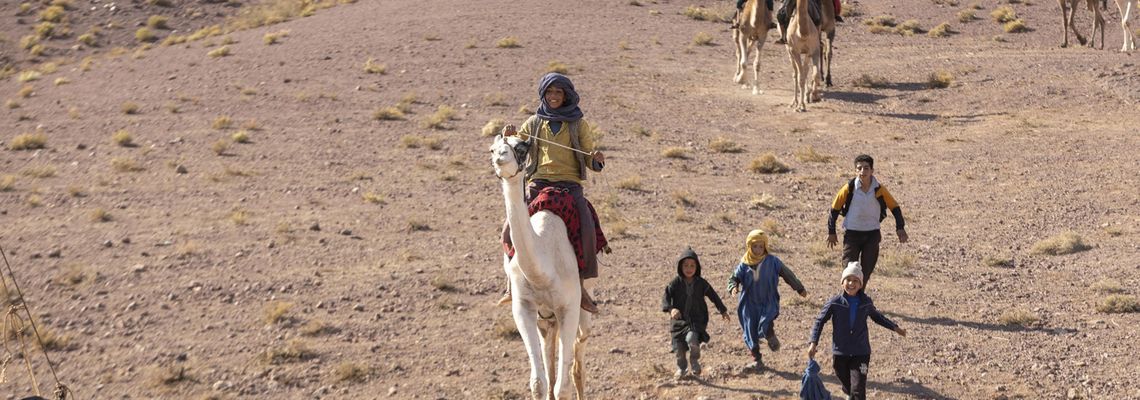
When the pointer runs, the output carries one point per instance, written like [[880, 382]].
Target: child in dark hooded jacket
[[685, 303]]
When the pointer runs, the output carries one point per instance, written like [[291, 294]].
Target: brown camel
[[803, 47], [749, 35], [1069, 10]]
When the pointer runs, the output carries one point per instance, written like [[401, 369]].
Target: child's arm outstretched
[[791, 280], [734, 280], [817, 327], [885, 322]]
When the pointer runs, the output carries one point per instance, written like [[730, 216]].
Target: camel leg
[[1126, 13], [1072, 25], [1064, 24], [797, 73], [567, 326], [741, 56], [549, 356], [526, 320], [827, 57], [756, 45], [578, 371], [816, 83], [1098, 23]]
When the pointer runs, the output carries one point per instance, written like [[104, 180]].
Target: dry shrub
[[557, 66], [61, 81], [895, 265], [768, 164], [46, 171], [684, 199], [122, 138], [220, 147], [509, 42], [1118, 304], [372, 67], [823, 256], [1107, 286], [374, 198], [273, 37], [1003, 14], [942, 30], [219, 52], [721, 14], [100, 215], [436, 120], [493, 127], [411, 141], [763, 200], [441, 283], [169, 375], [125, 164], [725, 145], [504, 328], [909, 28], [850, 10], [239, 217], [29, 75], [1019, 317], [317, 328], [157, 22], [998, 261], [1015, 26], [771, 227], [680, 215], [632, 183], [144, 34], [222, 122], [294, 351], [703, 39], [940, 79], [808, 154], [351, 372], [52, 14], [129, 107], [28, 141], [276, 312], [241, 136], [872, 82], [388, 114], [1065, 243], [966, 15], [415, 225], [674, 152], [7, 183], [882, 21], [26, 91]]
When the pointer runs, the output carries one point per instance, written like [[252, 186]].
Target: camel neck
[[522, 233]]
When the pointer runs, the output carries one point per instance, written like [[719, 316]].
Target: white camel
[[803, 45], [1127, 10], [749, 35], [544, 284]]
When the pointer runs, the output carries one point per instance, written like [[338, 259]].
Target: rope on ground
[[14, 320]]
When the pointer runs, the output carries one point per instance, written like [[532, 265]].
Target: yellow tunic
[[557, 164]]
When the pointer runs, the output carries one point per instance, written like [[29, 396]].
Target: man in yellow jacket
[[863, 202]]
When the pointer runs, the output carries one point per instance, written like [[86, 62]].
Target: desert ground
[[313, 214]]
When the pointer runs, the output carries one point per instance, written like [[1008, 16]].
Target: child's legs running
[[852, 373], [870, 254], [694, 341], [682, 360]]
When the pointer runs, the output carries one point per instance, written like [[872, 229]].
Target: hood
[[688, 253]]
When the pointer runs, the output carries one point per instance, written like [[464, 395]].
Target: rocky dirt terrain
[[316, 217]]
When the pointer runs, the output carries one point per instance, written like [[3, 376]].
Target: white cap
[[853, 269]]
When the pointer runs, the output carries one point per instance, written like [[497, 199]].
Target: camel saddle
[[560, 202]]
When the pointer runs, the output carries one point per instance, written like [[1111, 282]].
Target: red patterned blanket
[[561, 203]]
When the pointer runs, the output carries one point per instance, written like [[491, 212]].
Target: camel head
[[508, 155]]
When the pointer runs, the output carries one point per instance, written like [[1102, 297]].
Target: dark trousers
[[852, 373], [862, 246], [586, 220]]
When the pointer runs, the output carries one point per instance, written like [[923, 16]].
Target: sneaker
[[838, 18], [679, 374], [773, 343], [696, 368]]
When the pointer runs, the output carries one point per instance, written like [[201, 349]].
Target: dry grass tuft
[[997, 261], [504, 328], [271, 38], [763, 200], [317, 328], [52, 14], [26, 91], [61, 81], [1107, 286], [7, 183], [674, 152], [703, 39], [29, 75], [222, 122], [966, 16], [725, 145], [219, 52], [1118, 304], [436, 120], [158, 22], [276, 312], [40, 172], [808, 154], [125, 164], [374, 198], [684, 199], [294, 351], [909, 28], [129, 108], [772, 228], [1003, 14], [1019, 317], [371, 67], [145, 35], [704, 14], [940, 31], [559, 67], [170, 375], [940, 79], [493, 127], [1015, 26], [823, 256], [441, 283], [415, 225], [351, 372], [1065, 243], [100, 215], [632, 183], [28, 141], [220, 147], [871, 82], [241, 136], [388, 114], [509, 42], [768, 164], [239, 218], [122, 138]]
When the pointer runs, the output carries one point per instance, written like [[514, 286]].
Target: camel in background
[[1069, 10], [1127, 10], [803, 46], [750, 33]]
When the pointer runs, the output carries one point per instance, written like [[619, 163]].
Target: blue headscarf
[[569, 110]]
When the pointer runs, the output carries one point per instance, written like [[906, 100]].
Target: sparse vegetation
[[26, 91], [1118, 304], [705, 14], [129, 108], [441, 283], [388, 114], [351, 372], [145, 35], [222, 122], [493, 127], [872, 82], [276, 312], [509, 42], [808, 154], [771, 227], [125, 164], [271, 38], [100, 215], [940, 79], [29, 75], [557, 66], [763, 200], [1107, 286], [1065, 243], [436, 120], [372, 67], [220, 147], [1003, 14], [997, 261], [157, 22], [895, 265], [674, 152], [7, 183], [504, 328], [418, 226], [169, 375], [294, 351], [631, 183], [1015, 26], [768, 164], [822, 256], [122, 138], [942, 30], [1019, 317], [219, 52], [725, 145], [28, 141], [374, 198], [239, 217], [702, 39], [39, 172], [61, 81], [909, 28], [683, 199], [52, 14], [966, 16]]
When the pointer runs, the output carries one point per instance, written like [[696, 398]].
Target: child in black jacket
[[850, 343], [685, 303]]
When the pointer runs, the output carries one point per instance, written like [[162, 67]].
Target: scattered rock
[[108, 243], [616, 350], [55, 253], [180, 169], [358, 307], [315, 227], [138, 268], [346, 232], [392, 391]]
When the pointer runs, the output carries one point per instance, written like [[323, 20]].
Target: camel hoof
[[756, 91], [1064, 45], [739, 80]]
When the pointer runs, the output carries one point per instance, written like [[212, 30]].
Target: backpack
[[851, 194]]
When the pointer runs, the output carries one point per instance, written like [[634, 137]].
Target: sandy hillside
[[333, 254]]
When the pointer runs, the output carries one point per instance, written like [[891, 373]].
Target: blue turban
[[569, 110]]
